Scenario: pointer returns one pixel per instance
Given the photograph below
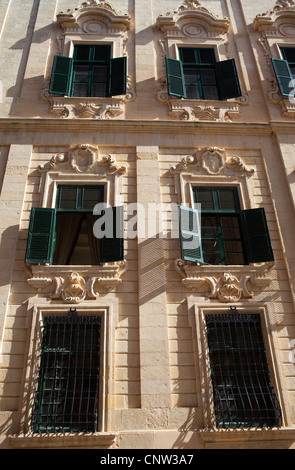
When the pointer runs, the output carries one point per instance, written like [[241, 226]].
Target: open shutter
[[228, 80], [41, 236], [175, 78], [190, 234], [112, 248], [60, 76], [118, 73], [283, 75], [256, 236]]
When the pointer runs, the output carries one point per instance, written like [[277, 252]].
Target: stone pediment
[[192, 19], [280, 20], [94, 17]]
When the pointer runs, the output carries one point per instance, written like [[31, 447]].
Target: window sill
[[73, 284], [229, 436], [227, 283], [86, 108], [202, 110], [56, 441]]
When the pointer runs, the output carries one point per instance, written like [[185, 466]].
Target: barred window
[[67, 398], [243, 395]]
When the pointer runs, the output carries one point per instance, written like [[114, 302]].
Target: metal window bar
[[242, 392], [67, 397]]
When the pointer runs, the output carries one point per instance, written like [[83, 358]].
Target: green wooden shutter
[[190, 234], [256, 235], [112, 248], [118, 76], [60, 76], [227, 79], [283, 75], [41, 236], [175, 78]]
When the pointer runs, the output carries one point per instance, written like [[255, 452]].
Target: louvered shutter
[[60, 75], [175, 78], [112, 247], [41, 236], [118, 74], [283, 75], [190, 234], [256, 235], [228, 80]]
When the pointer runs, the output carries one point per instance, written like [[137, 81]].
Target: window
[[223, 233], [220, 228], [67, 398], [285, 70], [243, 395], [64, 235], [90, 73], [197, 75]]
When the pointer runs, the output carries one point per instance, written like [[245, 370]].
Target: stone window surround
[[104, 438], [276, 29], [197, 313], [194, 26], [228, 283], [55, 281], [94, 24]]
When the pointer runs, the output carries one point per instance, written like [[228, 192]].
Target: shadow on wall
[[151, 269]]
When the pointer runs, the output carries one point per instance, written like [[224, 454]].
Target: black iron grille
[[243, 395], [68, 390]]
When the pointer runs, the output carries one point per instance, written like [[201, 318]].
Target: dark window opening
[[242, 390], [222, 241], [67, 398]]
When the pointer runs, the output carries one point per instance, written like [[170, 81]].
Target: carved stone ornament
[[96, 17], [201, 110], [213, 161], [214, 283], [61, 282], [84, 158], [278, 21], [194, 20]]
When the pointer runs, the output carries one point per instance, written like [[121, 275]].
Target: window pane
[[205, 198], [68, 197], [226, 199], [80, 89], [101, 52], [81, 73], [188, 55], [209, 84], [206, 56], [91, 196], [289, 53], [209, 227], [234, 252], [82, 52], [230, 227]]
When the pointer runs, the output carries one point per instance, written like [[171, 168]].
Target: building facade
[[147, 219]]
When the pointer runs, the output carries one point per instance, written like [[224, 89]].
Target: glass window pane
[[81, 73], [82, 52], [190, 76], [206, 55], [209, 84], [230, 227], [205, 198], [102, 52], [80, 89], [68, 197], [226, 199], [289, 53], [188, 55]]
